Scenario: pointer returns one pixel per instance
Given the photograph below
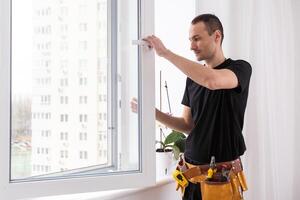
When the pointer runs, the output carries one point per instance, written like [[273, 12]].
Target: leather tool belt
[[225, 180]]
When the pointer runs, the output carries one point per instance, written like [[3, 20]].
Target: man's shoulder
[[240, 62]]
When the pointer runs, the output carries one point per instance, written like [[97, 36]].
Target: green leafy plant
[[175, 142]]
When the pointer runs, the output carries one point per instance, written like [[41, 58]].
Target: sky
[[21, 46]]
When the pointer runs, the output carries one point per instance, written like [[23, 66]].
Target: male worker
[[214, 100]]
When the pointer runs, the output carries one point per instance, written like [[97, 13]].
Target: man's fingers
[[156, 44], [134, 104], [148, 40], [134, 99]]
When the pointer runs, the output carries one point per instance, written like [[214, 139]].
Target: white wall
[[296, 15], [172, 21], [261, 32]]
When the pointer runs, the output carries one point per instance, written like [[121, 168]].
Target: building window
[[83, 99], [83, 81], [64, 136], [83, 155], [82, 136], [64, 99], [64, 154], [64, 117], [64, 82], [83, 118]]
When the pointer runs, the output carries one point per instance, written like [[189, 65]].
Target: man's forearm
[[197, 72], [176, 123]]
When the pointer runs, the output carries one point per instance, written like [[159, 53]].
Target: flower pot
[[164, 161]]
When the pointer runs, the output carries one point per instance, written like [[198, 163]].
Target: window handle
[[140, 43]]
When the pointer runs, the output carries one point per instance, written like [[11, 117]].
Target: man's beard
[[199, 59]]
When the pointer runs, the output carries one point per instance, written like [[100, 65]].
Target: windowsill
[[108, 195]]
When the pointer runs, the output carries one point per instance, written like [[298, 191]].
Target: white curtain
[[264, 33]]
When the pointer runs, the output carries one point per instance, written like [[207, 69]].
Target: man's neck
[[216, 60]]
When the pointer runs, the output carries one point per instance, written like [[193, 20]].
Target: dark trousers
[[192, 192]]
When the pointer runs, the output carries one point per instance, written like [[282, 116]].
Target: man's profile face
[[202, 43]]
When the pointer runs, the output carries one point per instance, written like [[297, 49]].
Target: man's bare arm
[[210, 78], [183, 124]]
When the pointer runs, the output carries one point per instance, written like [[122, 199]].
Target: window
[[83, 100], [64, 154], [83, 155], [83, 81], [64, 99], [45, 99], [52, 160], [64, 136], [64, 82], [82, 136], [83, 118], [64, 117]]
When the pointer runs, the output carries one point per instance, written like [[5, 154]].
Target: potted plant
[[174, 142], [168, 152]]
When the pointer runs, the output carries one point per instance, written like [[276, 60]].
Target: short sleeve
[[186, 98], [243, 71]]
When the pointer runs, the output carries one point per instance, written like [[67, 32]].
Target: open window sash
[[93, 178]]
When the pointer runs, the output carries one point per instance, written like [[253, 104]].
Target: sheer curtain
[[263, 33]]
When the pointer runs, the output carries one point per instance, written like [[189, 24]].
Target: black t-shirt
[[218, 116]]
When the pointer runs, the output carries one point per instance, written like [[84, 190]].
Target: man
[[214, 100]]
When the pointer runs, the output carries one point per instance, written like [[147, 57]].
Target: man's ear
[[218, 36]]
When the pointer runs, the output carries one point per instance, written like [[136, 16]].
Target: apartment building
[[66, 87]]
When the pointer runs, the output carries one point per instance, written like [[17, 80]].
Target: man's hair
[[211, 22]]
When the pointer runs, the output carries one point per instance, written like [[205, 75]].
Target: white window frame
[[142, 178]]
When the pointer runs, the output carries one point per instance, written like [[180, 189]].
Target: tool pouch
[[242, 179], [225, 190], [216, 190]]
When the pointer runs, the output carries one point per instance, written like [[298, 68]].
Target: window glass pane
[[128, 131], [64, 117]]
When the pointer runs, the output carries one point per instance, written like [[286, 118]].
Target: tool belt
[[224, 180]]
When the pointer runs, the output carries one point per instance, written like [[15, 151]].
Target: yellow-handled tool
[[182, 182], [212, 168]]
